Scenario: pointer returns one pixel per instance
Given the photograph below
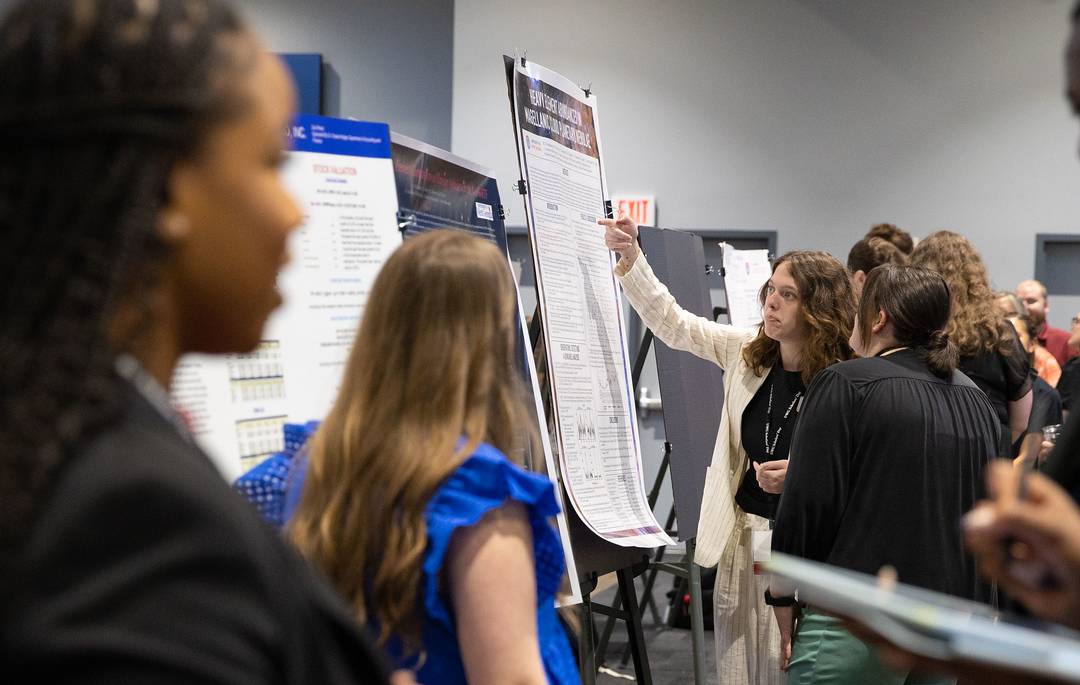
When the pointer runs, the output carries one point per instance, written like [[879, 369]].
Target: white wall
[[391, 61], [388, 61], [815, 118]]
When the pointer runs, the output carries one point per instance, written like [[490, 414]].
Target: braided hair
[[101, 99]]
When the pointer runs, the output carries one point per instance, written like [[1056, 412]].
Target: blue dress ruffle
[[483, 482]]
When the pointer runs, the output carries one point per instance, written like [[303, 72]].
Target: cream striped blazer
[[722, 345]]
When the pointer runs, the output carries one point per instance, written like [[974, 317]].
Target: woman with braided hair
[[886, 459], [143, 217]]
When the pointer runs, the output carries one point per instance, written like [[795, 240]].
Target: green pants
[[824, 653]]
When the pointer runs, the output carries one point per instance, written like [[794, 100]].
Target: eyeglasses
[[1076, 320]]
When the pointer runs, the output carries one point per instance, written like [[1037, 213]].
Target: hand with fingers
[[771, 474], [620, 235], [1044, 451], [1028, 540], [785, 621]]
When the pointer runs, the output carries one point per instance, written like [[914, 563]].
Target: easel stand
[[686, 568]]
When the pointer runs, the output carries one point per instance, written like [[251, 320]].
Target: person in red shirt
[[1056, 341]]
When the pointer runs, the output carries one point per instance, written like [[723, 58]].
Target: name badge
[[761, 548]]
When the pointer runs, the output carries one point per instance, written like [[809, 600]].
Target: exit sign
[[640, 208]]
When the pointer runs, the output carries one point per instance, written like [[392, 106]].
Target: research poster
[[745, 271], [342, 175], [437, 189], [584, 331]]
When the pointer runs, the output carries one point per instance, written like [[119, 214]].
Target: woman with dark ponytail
[[887, 457], [143, 217]]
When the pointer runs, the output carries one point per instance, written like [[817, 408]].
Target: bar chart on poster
[[341, 173]]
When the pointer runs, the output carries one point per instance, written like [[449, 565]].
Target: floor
[[669, 650]]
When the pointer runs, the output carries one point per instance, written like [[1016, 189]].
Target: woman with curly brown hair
[[808, 310], [990, 353]]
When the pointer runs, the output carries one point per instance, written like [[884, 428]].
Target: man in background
[[1056, 341]]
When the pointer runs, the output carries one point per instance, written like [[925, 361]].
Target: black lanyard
[[770, 448]]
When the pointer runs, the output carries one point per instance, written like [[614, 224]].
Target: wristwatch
[[779, 601]]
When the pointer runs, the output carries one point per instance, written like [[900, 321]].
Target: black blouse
[[885, 461], [1003, 377], [1069, 384], [787, 391]]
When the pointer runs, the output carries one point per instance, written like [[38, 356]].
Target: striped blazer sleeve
[[676, 327]]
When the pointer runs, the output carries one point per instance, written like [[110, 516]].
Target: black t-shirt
[[1069, 384], [787, 391], [1063, 464], [1045, 406], [886, 460], [1003, 377]]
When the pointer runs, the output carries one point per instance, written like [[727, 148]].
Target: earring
[[174, 226]]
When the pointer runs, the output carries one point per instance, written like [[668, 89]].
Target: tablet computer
[[932, 624]]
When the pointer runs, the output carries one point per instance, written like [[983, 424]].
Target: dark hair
[[1026, 321], [897, 236], [918, 304], [104, 98], [827, 309], [871, 252]]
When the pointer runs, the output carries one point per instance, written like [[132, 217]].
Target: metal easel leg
[[633, 627], [697, 617], [586, 643]]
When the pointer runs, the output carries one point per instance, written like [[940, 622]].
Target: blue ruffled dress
[[483, 482]]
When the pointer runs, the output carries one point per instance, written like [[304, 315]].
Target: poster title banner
[[310, 133]]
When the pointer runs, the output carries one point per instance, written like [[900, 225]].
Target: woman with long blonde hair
[[990, 352], [409, 502]]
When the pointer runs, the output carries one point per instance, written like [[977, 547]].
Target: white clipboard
[[932, 624]]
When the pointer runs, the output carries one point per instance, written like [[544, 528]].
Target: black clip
[[609, 211], [588, 90], [405, 221], [501, 212], [521, 186]]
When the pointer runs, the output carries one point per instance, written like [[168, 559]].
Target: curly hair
[[827, 311], [870, 252], [976, 325], [893, 234], [105, 96]]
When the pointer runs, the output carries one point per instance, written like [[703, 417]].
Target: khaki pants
[[747, 639]]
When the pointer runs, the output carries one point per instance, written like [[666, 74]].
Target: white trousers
[[747, 639]]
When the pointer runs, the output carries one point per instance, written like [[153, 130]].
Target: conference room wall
[[385, 61], [389, 61], [813, 118]]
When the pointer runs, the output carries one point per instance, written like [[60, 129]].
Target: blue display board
[[306, 69]]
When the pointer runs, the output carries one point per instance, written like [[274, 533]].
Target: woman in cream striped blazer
[[808, 311]]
